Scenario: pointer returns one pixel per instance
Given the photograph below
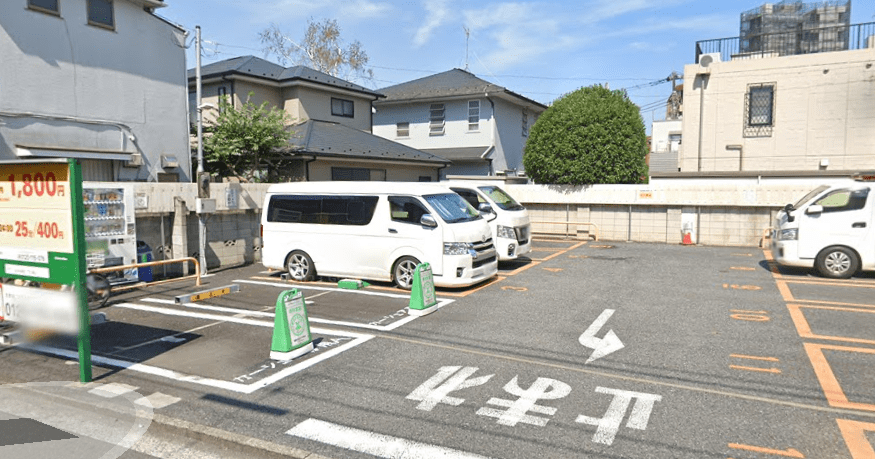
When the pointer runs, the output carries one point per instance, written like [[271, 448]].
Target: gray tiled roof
[[459, 154], [452, 83], [323, 138], [260, 68]]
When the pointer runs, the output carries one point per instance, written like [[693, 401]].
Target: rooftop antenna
[[467, 39]]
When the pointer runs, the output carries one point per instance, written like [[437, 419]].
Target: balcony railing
[[802, 41]]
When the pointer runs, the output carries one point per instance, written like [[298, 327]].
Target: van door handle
[[859, 225], [393, 231]]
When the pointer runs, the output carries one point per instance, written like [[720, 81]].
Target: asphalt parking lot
[[585, 349]]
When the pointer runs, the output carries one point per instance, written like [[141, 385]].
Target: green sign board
[[291, 330], [422, 296], [42, 239]]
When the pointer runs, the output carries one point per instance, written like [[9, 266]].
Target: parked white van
[[511, 229], [375, 230], [832, 229]]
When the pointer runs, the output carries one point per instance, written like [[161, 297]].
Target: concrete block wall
[[724, 214]]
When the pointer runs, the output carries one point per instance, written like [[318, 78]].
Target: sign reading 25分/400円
[[35, 207]]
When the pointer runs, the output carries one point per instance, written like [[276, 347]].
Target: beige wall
[[304, 103], [824, 110], [321, 170]]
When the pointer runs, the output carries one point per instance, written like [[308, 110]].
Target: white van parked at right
[[832, 228], [511, 228]]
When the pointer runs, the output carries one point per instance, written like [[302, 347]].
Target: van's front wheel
[[837, 262], [403, 272], [300, 266]]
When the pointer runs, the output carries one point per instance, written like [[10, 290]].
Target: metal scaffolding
[[794, 27]]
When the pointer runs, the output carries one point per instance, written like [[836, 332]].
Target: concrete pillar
[[179, 237]]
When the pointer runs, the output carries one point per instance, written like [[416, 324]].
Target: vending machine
[[110, 228]]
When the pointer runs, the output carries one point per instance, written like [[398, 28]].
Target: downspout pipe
[[703, 83], [492, 127]]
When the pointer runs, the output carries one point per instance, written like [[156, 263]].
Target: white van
[[511, 229], [375, 230], [832, 228]]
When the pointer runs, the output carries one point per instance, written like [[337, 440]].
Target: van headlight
[[458, 248], [506, 232], [788, 234]]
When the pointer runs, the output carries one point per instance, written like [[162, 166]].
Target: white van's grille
[[485, 253], [522, 233]]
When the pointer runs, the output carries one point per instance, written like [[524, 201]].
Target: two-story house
[[481, 127], [788, 95], [331, 119], [98, 80]]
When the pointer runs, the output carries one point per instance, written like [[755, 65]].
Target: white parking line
[[372, 443], [358, 339], [247, 312]]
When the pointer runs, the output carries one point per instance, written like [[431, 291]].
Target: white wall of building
[[65, 84], [456, 132], [824, 114]]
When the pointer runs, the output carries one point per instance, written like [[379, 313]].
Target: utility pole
[[201, 226]]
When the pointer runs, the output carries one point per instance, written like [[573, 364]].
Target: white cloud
[[438, 13], [518, 32]]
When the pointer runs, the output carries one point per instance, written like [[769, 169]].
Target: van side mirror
[[813, 210], [485, 208], [428, 221]]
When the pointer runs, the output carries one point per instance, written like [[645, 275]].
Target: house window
[[100, 13], [342, 107], [473, 115], [759, 116], [358, 174], [436, 119], [402, 130], [46, 6], [525, 123]]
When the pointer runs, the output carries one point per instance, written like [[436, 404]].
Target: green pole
[[78, 211]]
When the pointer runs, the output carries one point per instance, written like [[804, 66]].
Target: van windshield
[[810, 196], [501, 199], [452, 208]]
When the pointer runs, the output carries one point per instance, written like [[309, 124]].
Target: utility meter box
[[205, 206]]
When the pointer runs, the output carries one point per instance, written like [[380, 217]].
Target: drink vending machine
[[110, 228]]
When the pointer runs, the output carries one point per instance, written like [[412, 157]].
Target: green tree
[[590, 136], [321, 49], [247, 142]]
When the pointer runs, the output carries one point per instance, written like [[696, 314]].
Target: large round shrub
[[592, 135]]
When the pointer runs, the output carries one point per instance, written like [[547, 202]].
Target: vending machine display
[[110, 230]]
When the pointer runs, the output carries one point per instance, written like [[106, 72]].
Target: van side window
[[325, 210], [406, 209], [469, 196], [844, 200]]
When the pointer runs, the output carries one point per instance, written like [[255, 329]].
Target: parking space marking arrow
[[601, 346]]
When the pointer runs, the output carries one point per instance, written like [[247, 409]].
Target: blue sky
[[540, 49]]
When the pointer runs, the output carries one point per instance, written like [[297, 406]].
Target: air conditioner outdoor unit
[[705, 60]]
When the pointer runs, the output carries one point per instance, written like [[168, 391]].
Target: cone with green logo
[[423, 300], [291, 327]]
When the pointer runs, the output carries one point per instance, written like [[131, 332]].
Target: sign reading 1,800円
[[35, 207]]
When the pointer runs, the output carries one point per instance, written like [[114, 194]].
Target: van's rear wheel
[[403, 272], [837, 262], [300, 266]]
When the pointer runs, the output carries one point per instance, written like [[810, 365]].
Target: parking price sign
[[42, 239]]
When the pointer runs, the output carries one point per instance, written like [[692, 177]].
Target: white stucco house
[[479, 126], [809, 110], [99, 80]]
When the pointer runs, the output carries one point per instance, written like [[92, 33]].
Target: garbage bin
[[144, 254]]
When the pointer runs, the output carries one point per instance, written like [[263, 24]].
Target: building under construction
[[793, 27]]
